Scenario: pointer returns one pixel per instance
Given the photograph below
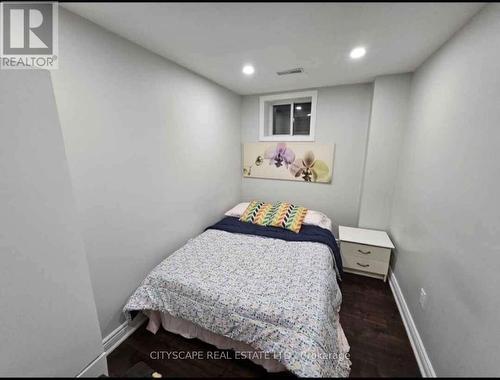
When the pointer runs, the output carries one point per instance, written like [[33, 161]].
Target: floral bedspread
[[279, 297]]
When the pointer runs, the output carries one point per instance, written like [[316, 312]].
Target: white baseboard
[[122, 332], [97, 368], [99, 365], [417, 345]]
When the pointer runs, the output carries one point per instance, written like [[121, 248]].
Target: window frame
[[287, 98]]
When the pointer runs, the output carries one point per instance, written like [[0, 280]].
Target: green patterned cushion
[[258, 213], [287, 215]]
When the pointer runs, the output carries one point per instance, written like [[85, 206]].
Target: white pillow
[[319, 219], [315, 218], [238, 210]]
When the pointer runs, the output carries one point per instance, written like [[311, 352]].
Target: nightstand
[[365, 252]]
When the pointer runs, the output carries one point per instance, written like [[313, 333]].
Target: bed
[[268, 293]]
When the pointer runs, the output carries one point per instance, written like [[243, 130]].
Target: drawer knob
[[363, 265], [364, 252]]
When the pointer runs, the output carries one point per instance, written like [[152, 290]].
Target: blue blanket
[[307, 233]]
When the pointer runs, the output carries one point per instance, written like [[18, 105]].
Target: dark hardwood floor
[[375, 331], [369, 317]]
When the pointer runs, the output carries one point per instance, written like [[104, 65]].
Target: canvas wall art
[[293, 161]]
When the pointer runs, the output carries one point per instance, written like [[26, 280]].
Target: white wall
[[48, 323], [387, 126], [445, 221], [153, 151], [342, 118]]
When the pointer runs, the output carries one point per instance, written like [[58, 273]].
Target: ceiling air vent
[[297, 70]]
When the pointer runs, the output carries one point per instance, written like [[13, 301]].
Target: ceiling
[[217, 39]]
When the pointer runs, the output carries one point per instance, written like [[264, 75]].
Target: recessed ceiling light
[[358, 52], [298, 108], [248, 70]]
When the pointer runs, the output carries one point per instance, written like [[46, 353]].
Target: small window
[[288, 117], [281, 119]]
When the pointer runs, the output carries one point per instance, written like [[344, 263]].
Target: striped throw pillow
[[258, 213], [287, 215]]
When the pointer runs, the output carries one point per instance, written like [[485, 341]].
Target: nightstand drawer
[[365, 252], [365, 265]]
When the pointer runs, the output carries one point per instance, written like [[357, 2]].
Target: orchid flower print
[[247, 170], [288, 161], [280, 155], [309, 168]]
